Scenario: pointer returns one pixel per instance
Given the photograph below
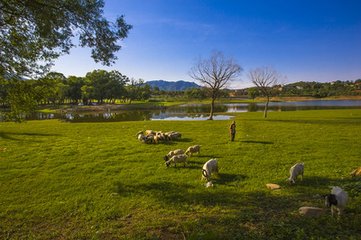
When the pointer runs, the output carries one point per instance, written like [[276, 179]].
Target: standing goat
[[296, 170], [337, 200]]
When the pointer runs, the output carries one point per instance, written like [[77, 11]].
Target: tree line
[[308, 89], [23, 96]]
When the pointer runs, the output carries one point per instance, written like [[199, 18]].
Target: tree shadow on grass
[[258, 142], [207, 156], [10, 135], [198, 165], [245, 215], [350, 121], [174, 142], [226, 178], [316, 186], [184, 140]]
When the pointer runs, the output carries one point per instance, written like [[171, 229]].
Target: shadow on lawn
[[260, 142], [350, 121], [226, 178], [247, 215], [316, 186], [9, 135], [173, 142]]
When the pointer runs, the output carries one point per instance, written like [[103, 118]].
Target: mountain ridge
[[179, 85]]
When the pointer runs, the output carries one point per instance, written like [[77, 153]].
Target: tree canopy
[[214, 74], [35, 32], [265, 79]]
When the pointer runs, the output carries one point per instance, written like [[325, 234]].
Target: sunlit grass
[[95, 180]]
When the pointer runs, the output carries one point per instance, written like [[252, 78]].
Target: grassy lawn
[[63, 180]]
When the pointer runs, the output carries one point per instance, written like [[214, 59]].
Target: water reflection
[[191, 118], [195, 111]]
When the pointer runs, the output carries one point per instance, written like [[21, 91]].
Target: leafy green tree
[[74, 85], [106, 85], [196, 93], [87, 92], [253, 92], [34, 33], [52, 88], [137, 90], [115, 88], [19, 96]]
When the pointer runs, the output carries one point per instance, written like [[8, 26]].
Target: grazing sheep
[[148, 132], [173, 135], [150, 136], [181, 158], [140, 136], [210, 167], [145, 138], [193, 149], [296, 170], [337, 200], [161, 136], [172, 153], [356, 172]]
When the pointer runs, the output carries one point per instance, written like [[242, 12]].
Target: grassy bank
[[95, 180]]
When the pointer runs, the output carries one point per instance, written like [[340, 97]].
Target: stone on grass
[[356, 172], [311, 211], [209, 184], [273, 186]]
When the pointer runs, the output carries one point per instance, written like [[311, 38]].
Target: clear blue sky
[[306, 40]]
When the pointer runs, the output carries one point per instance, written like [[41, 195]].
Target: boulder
[[311, 211], [273, 186]]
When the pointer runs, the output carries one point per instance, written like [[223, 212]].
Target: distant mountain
[[172, 86]]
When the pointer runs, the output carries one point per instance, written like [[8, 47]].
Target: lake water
[[197, 111]]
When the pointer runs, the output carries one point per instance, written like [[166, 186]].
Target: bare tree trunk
[[266, 108], [212, 109], [214, 74]]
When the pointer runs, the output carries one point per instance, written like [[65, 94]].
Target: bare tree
[[214, 74], [265, 79]]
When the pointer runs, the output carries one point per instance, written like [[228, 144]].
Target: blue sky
[[305, 40]]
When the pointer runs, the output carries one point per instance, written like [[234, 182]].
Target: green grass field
[[62, 180]]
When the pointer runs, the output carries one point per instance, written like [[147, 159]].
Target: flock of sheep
[[336, 200], [150, 136], [179, 155]]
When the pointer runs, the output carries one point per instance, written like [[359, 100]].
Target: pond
[[196, 111]]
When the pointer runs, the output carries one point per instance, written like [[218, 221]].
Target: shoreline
[[163, 105]]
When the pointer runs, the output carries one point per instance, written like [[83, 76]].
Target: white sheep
[[140, 136], [172, 153], [148, 132], [209, 168], [150, 138], [296, 170], [181, 158], [173, 135], [193, 149], [337, 200]]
